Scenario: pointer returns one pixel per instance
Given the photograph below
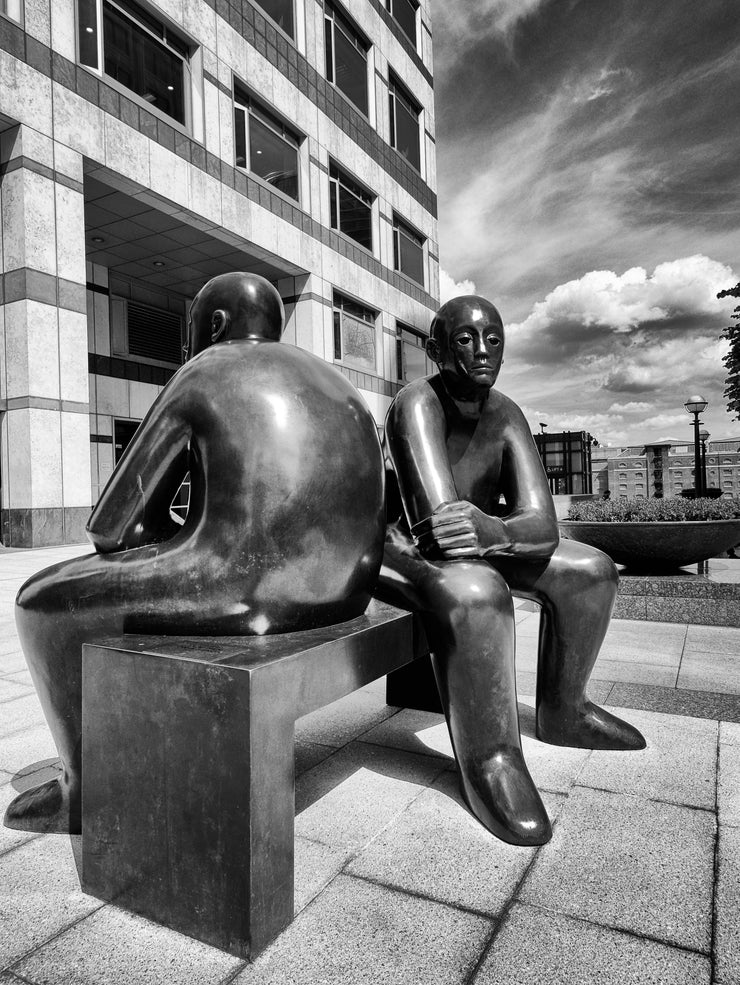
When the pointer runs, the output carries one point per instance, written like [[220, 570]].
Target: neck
[[468, 398]]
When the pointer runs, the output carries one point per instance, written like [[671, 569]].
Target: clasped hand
[[460, 530]]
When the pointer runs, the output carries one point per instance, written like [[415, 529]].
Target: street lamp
[[704, 435], [695, 405]]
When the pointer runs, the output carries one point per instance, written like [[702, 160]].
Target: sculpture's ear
[[220, 322], [433, 350]]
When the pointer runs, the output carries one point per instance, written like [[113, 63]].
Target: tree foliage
[[732, 359]]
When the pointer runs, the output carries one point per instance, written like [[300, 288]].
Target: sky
[[588, 168]]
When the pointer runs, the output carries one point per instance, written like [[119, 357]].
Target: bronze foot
[[500, 793], [45, 810], [589, 727]]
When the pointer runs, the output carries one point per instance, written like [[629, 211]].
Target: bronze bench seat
[[188, 746]]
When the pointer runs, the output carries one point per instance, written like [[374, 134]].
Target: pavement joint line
[[232, 975], [52, 937], [34, 836], [715, 870], [652, 800], [415, 894], [618, 930], [504, 915], [20, 978], [683, 653]]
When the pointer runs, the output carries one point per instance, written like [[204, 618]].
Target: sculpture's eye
[[464, 339], [493, 340]]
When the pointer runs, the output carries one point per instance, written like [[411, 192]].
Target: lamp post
[[704, 435], [695, 405]]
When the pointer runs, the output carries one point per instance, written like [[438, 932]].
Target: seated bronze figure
[[478, 524], [284, 530]]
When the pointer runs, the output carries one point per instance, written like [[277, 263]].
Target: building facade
[[566, 456], [147, 146], [665, 468]]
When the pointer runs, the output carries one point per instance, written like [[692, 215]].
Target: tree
[[732, 359]]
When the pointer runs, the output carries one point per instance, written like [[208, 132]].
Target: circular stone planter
[[657, 545]]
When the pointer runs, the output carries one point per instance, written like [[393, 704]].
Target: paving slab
[[728, 784], [356, 933], [27, 748], [727, 903], [687, 704], [646, 719], [729, 733], [631, 653], [112, 946], [535, 947], [642, 672], [630, 864], [22, 712], [438, 850], [39, 895], [713, 639], [315, 866], [710, 671], [11, 689], [415, 731], [351, 797], [677, 766], [344, 720], [310, 754]]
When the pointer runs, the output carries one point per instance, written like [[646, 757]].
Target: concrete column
[[44, 435]]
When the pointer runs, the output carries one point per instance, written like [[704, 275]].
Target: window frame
[[338, 176], [173, 39], [335, 19], [422, 337], [287, 34], [397, 92], [402, 228], [389, 6], [340, 300], [251, 107], [15, 18]]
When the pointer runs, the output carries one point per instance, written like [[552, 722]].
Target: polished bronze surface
[[284, 530], [478, 524], [188, 806]]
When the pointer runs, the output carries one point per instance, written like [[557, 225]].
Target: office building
[[147, 146]]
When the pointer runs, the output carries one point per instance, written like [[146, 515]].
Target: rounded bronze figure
[[479, 523], [284, 529]]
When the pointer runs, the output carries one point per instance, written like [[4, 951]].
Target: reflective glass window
[[404, 122], [404, 13], [264, 145], [355, 337], [351, 208], [346, 58], [281, 11], [408, 249]]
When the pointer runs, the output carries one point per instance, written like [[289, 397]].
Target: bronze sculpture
[[284, 530], [456, 554]]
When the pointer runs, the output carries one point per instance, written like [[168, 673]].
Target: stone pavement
[[395, 883]]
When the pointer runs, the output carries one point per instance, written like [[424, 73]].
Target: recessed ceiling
[[135, 239]]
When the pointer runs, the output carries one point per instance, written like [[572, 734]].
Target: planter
[[659, 545]]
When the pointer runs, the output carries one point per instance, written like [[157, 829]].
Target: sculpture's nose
[[480, 348]]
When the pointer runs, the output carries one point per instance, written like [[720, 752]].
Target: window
[[404, 14], [346, 57], [281, 11], [149, 334], [412, 360], [408, 251], [354, 333], [264, 145], [351, 208], [123, 432], [11, 8], [136, 50], [404, 117]]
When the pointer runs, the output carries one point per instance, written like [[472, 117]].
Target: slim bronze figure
[[479, 523], [284, 530]]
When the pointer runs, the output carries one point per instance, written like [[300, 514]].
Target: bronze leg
[[469, 620], [576, 588]]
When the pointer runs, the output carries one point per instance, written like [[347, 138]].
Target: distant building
[[664, 468], [146, 146], [566, 456]]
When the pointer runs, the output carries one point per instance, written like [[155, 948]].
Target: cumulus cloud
[[631, 407], [450, 288], [458, 22]]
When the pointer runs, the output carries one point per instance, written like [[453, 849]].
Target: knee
[[584, 568], [468, 585]]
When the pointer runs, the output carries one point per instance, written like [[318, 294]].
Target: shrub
[[654, 510]]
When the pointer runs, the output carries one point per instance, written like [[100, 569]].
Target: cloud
[[632, 407], [457, 23], [603, 83], [450, 288]]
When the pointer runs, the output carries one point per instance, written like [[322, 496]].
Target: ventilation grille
[[153, 333]]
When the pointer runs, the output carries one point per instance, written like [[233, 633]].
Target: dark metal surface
[[189, 778], [284, 530], [479, 523]]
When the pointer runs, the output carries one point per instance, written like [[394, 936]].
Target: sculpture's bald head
[[234, 306], [467, 343]]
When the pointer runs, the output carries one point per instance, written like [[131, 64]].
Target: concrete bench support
[[188, 795]]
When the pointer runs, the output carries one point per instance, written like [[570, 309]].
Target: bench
[[188, 746]]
